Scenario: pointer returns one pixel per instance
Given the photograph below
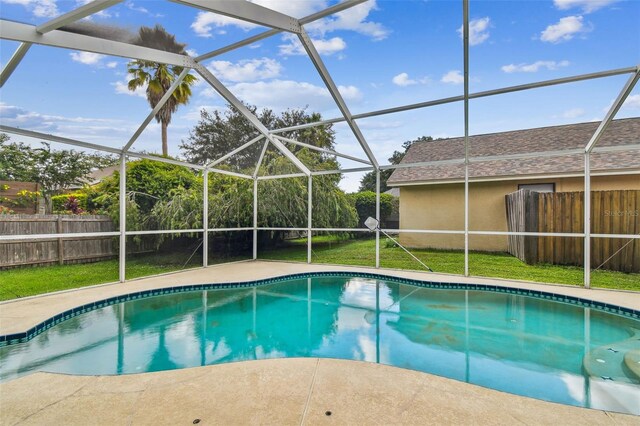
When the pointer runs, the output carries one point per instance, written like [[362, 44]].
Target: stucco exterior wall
[[441, 207]]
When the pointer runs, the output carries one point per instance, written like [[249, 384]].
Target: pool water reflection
[[523, 345]]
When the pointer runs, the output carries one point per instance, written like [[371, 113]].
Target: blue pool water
[[519, 344]]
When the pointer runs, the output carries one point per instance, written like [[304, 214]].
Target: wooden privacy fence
[[55, 250], [612, 212]]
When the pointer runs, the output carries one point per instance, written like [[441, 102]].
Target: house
[[96, 176], [432, 196]]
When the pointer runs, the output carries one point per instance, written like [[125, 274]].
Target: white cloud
[[453, 77], [632, 101], [564, 30], [587, 6], [99, 130], [403, 79], [534, 67], [102, 13], [191, 52], [95, 60], [573, 113], [324, 47], [130, 5], [352, 19], [282, 94], [206, 21], [478, 31], [39, 8], [87, 58], [246, 70], [122, 88], [207, 24]]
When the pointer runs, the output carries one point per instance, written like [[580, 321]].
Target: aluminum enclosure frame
[[48, 34]]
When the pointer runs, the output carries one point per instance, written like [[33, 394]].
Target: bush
[[365, 204], [75, 203]]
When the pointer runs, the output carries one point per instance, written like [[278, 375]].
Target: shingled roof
[[556, 138]]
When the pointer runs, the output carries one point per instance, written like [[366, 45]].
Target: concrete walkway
[[277, 392]]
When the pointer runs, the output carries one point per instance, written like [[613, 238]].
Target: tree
[[368, 181], [53, 170], [218, 133], [282, 202], [159, 77], [16, 160], [365, 204]]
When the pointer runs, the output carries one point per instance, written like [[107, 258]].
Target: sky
[[381, 54]]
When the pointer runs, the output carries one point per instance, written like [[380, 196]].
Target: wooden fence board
[[612, 212], [55, 250]]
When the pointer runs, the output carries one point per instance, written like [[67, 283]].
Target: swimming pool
[[540, 345]]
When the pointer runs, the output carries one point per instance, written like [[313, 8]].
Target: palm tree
[[159, 77]]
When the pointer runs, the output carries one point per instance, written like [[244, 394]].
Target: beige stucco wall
[[442, 207]]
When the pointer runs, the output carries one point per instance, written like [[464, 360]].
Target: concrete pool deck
[[291, 391], [282, 391]]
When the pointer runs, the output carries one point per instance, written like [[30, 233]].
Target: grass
[[330, 249], [24, 282]]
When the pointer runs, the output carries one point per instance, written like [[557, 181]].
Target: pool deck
[[284, 391]]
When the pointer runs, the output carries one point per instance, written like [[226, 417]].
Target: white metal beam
[[157, 108], [255, 217], [306, 20], [335, 94], [205, 218], [289, 175], [617, 104], [122, 222], [235, 151], [340, 171], [75, 15], [319, 149], [59, 139], [309, 217], [96, 147], [259, 162], [477, 95], [465, 50], [246, 11], [231, 98], [10, 67], [57, 38]]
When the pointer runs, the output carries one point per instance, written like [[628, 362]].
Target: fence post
[[60, 241]]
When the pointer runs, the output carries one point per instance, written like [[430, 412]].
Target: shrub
[[75, 203], [365, 204]]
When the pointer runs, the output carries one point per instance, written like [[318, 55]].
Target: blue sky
[[381, 53]]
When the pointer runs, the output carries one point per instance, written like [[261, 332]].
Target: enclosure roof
[[571, 138]]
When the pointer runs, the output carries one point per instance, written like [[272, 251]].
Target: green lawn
[[326, 249], [44, 279]]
